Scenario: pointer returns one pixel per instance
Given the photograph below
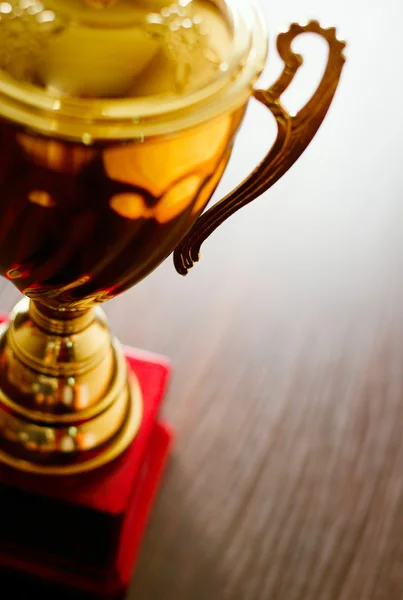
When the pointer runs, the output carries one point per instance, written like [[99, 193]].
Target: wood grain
[[287, 344]]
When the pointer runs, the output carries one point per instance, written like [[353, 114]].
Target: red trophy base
[[78, 537]]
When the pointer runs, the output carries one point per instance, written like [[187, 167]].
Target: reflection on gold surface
[[64, 391], [171, 205], [90, 255], [130, 206], [52, 154], [177, 199], [156, 164], [14, 273], [209, 188], [41, 198], [101, 3]]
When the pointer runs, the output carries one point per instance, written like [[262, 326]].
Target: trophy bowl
[[117, 121]]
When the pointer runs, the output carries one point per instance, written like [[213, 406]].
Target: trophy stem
[[66, 402]]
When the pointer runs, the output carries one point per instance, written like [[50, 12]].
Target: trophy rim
[[93, 120]]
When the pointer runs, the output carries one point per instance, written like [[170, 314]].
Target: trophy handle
[[294, 135]]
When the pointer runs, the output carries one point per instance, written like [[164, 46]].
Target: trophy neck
[[66, 404], [61, 322]]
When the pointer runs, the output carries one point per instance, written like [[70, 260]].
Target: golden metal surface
[[111, 220], [294, 135], [65, 401], [79, 463], [101, 180], [117, 112]]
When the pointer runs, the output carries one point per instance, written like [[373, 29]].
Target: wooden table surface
[[286, 481]]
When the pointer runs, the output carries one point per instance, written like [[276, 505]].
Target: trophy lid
[[99, 69]]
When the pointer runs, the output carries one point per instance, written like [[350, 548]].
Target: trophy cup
[[118, 119]]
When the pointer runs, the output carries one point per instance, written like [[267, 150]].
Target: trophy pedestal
[[79, 536]]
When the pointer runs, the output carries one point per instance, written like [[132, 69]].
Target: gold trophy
[[118, 118]]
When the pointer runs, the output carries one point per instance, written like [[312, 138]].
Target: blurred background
[[286, 342]]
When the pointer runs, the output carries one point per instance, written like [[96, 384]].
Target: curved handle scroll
[[294, 135]]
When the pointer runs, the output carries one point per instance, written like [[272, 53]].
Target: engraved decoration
[[180, 30], [25, 29]]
